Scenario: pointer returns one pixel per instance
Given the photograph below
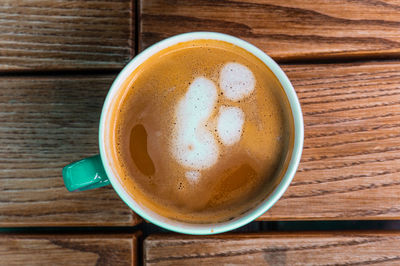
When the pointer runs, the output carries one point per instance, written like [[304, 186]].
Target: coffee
[[202, 132]]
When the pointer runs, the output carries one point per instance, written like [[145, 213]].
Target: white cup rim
[[204, 229]]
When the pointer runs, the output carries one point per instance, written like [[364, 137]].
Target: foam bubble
[[193, 145], [236, 81], [230, 124]]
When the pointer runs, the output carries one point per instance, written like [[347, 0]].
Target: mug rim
[[270, 199]]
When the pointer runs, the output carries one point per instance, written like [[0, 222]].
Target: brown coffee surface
[[145, 121]]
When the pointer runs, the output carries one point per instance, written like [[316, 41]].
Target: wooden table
[[58, 59]]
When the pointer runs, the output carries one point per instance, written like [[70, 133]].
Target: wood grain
[[68, 249], [58, 34], [350, 167], [348, 248], [46, 123], [286, 30]]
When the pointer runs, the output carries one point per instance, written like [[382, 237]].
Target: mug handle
[[85, 174]]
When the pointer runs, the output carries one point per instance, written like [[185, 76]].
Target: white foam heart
[[193, 145], [230, 124], [236, 81]]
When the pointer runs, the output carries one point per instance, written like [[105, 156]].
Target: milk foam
[[230, 124], [236, 81], [193, 145], [193, 176]]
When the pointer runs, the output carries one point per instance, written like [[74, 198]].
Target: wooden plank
[[286, 30], [324, 248], [68, 249], [349, 169], [351, 160], [46, 123], [58, 34]]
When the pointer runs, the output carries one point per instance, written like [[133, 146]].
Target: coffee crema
[[201, 132]]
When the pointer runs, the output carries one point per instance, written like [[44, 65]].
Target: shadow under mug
[[98, 171]]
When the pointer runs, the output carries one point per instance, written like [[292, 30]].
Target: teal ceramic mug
[[98, 171]]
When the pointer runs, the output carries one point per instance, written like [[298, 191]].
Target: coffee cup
[[102, 170]]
